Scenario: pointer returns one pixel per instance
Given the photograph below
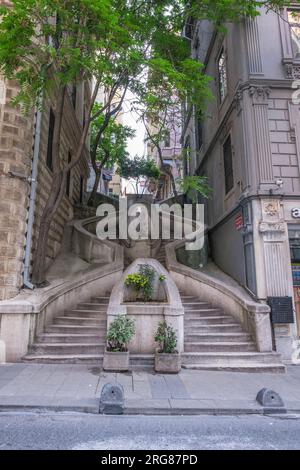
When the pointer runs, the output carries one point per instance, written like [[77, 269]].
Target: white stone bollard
[[2, 352]]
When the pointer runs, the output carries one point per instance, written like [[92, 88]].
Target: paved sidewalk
[[78, 388]]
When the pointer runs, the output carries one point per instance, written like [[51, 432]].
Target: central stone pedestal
[[148, 315]]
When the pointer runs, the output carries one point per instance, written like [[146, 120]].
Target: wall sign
[[296, 213], [239, 222]]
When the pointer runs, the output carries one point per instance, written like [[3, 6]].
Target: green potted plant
[[146, 285], [167, 358], [142, 283], [120, 333]]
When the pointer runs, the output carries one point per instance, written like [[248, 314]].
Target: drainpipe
[[33, 179]]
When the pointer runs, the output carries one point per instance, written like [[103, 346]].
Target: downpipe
[[32, 200]]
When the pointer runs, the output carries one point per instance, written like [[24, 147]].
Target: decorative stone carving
[[259, 94], [272, 227], [271, 208], [237, 100], [292, 71]]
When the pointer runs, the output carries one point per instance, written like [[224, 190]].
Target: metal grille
[[281, 309]]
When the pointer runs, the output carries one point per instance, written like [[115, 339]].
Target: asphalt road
[[31, 431]]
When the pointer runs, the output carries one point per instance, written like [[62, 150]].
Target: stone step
[[100, 300], [248, 367], [216, 337], [208, 320], [208, 312], [220, 328], [78, 329], [196, 305], [214, 328], [91, 359], [79, 321], [85, 313], [71, 338], [99, 307], [219, 346], [229, 358], [67, 348], [141, 361]]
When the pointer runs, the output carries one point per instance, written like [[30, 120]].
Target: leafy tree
[[138, 169], [193, 186], [48, 45], [110, 149]]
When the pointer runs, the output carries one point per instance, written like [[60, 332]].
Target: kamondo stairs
[[213, 339]]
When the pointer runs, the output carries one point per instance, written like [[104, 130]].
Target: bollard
[[112, 399], [271, 401]]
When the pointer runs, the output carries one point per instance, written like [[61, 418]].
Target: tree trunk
[[95, 188], [57, 192], [58, 185]]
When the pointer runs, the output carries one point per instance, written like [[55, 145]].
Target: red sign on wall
[[239, 222]]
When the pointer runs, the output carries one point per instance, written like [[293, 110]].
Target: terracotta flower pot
[[116, 361]]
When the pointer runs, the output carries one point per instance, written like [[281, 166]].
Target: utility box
[[282, 310]]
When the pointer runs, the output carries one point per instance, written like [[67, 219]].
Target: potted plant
[[116, 355], [167, 358], [142, 283]]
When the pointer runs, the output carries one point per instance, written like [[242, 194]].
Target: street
[[34, 431]]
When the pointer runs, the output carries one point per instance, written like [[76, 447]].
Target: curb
[[145, 412]]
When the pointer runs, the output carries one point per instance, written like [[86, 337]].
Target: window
[[74, 95], [187, 155], [168, 139], [222, 75], [294, 23], [228, 165], [49, 160], [199, 132], [68, 177], [81, 190]]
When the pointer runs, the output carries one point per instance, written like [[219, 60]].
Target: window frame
[[223, 52], [228, 186], [51, 130]]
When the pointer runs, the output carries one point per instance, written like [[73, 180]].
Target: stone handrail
[[253, 316], [88, 246]]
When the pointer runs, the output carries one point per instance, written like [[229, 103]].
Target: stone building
[[22, 137], [248, 146], [171, 153]]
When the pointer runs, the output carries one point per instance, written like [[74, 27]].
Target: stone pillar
[[260, 123], [273, 264]]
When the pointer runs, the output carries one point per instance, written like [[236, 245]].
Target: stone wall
[[16, 140], [17, 134]]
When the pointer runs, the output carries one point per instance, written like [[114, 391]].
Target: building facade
[[248, 145], [18, 144]]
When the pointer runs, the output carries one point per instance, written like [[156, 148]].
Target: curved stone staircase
[[213, 340]]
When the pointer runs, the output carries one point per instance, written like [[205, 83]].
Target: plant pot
[[167, 363], [116, 361]]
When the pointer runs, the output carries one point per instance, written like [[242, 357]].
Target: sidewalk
[[77, 388]]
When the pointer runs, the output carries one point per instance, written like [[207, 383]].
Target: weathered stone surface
[[271, 401], [116, 361], [2, 352], [167, 363], [112, 399]]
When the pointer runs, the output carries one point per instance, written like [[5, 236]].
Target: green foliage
[[118, 42], [162, 278], [120, 333], [193, 186], [142, 281], [139, 167], [166, 337], [111, 147]]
